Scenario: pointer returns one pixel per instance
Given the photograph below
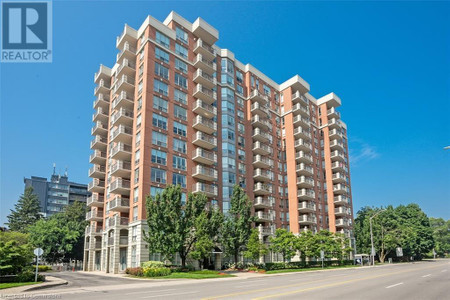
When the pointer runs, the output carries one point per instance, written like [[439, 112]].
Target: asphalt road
[[421, 280]]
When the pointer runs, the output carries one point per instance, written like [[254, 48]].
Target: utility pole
[[372, 250]]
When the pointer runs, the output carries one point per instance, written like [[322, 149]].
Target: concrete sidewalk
[[50, 281]]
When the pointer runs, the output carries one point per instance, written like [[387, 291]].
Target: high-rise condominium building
[[177, 109]]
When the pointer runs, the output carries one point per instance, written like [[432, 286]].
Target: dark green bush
[[27, 276], [156, 272], [152, 264], [42, 268]]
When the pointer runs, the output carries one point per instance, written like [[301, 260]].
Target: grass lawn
[[307, 269], [191, 275], [15, 284]]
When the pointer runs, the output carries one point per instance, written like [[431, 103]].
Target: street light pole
[[372, 250]]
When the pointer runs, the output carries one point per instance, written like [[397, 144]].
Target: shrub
[[156, 272], [42, 268], [152, 264], [134, 271], [27, 276]]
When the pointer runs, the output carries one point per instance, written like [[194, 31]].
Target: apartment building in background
[[177, 109]]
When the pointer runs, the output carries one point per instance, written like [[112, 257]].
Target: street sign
[[322, 254], [38, 251], [399, 251], [373, 252]]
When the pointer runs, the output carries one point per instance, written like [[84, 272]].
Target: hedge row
[[308, 264]]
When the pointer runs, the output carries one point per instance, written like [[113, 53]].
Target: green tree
[[74, 216], [15, 252], [255, 247], [305, 243], [441, 235], [25, 213], [238, 224], [284, 242]]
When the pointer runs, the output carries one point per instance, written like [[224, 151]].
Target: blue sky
[[388, 61]]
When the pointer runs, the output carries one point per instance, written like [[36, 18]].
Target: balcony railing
[[204, 156], [204, 109], [298, 97], [306, 193], [209, 189]]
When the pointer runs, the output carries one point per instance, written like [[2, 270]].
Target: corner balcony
[[124, 83], [121, 151], [302, 121], [122, 116], [303, 157], [204, 79], [208, 189], [260, 135], [265, 230], [338, 166], [97, 171], [262, 149], [128, 36], [335, 134], [95, 200], [256, 95], [205, 31], [300, 132], [262, 162], [120, 186], [99, 128], [204, 173], [127, 68], [208, 96], [300, 109], [103, 73], [117, 222], [100, 116], [303, 169], [341, 211], [127, 52], [339, 178], [302, 145], [102, 102], [121, 169], [263, 217], [124, 100], [102, 88], [99, 143], [262, 175], [119, 204], [204, 140], [341, 200], [98, 157], [96, 186], [204, 156], [261, 202], [297, 97], [342, 223], [337, 156], [206, 65], [259, 109], [262, 189], [264, 124], [306, 207], [336, 145], [122, 134], [305, 182], [205, 50], [307, 220], [306, 194], [204, 124], [340, 189], [94, 215], [334, 123], [204, 109], [333, 113]]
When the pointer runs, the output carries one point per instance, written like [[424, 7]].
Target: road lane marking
[[251, 284], [145, 292], [426, 275], [443, 271], [391, 286], [174, 294]]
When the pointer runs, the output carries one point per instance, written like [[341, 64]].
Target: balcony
[[333, 113], [127, 52], [306, 207], [97, 171], [204, 79], [259, 109], [208, 96], [306, 194], [96, 186], [303, 169], [94, 215], [124, 100], [128, 36], [262, 189], [334, 123], [302, 121], [303, 157], [262, 149], [99, 128], [124, 83], [204, 140], [205, 125], [302, 145], [255, 95], [206, 65], [300, 109], [204, 49], [336, 145], [307, 220], [99, 143], [119, 204], [262, 202], [100, 116], [123, 241], [102, 102], [264, 124], [208, 189], [305, 182], [340, 189], [204, 173], [300, 132], [262, 162], [297, 97], [204, 156], [127, 68], [121, 169], [122, 134], [95, 200], [265, 230], [339, 178], [102, 88], [341, 211], [121, 151], [93, 230], [103, 73], [341, 200], [335, 134], [261, 136], [98, 157], [264, 217], [262, 175], [117, 222], [205, 110], [122, 116], [342, 223], [120, 186], [337, 156], [338, 166], [204, 31]]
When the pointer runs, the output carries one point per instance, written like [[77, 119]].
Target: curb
[[44, 286]]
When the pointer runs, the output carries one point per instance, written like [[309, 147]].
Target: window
[[179, 128], [180, 80], [179, 179], [136, 175], [241, 141], [227, 66], [227, 107], [159, 157], [241, 154], [139, 104], [241, 128], [161, 87], [138, 139], [227, 79], [229, 149], [239, 77], [181, 35], [179, 162], [138, 121], [181, 66], [228, 163], [240, 102], [160, 104], [137, 156], [227, 94], [159, 139], [229, 177], [141, 70], [180, 96], [240, 114], [180, 50], [240, 90], [162, 71], [179, 145], [135, 213], [158, 175], [155, 190], [227, 134], [266, 89], [159, 121], [161, 55], [140, 86], [227, 120], [162, 39], [180, 112], [136, 195]]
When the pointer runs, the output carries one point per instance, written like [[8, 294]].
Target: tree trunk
[[183, 261], [236, 255]]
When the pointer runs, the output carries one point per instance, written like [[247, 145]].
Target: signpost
[[38, 252], [322, 256]]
